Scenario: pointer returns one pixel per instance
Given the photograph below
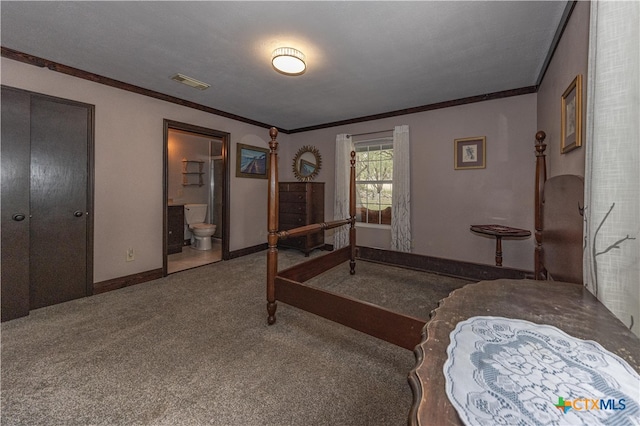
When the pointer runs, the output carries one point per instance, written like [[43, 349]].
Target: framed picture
[[469, 153], [251, 162], [571, 120]]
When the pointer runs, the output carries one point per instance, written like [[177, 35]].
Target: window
[[374, 181]]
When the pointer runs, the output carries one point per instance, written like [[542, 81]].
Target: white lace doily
[[503, 371]]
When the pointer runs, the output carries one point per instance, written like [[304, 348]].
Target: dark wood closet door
[[15, 204], [46, 255], [58, 231]]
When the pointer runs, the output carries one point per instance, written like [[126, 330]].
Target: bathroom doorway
[[195, 172]]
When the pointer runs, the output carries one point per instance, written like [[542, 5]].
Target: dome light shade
[[289, 61]]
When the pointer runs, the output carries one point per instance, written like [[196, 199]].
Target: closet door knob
[[18, 217], [77, 213]]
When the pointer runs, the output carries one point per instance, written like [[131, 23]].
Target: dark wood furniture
[[567, 306], [500, 231], [301, 203], [288, 286], [47, 206], [565, 303], [175, 228]]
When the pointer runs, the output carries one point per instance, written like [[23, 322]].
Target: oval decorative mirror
[[306, 163]]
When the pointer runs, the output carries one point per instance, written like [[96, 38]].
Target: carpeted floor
[[194, 349]]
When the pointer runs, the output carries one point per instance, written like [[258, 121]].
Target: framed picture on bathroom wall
[[251, 161]]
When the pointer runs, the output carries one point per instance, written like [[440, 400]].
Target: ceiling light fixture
[[289, 61], [190, 81]]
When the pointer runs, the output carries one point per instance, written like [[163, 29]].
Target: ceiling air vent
[[181, 78]]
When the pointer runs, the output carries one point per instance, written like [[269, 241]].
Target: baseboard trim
[[129, 280], [453, 268], [248, 250], [126, 281]]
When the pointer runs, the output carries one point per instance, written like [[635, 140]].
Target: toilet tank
[[195, 213]]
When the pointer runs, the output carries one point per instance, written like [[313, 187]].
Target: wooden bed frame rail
[[287, 286], [312, 229]]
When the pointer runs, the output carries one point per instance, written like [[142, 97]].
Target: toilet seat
[[203, 229], [203, 226]]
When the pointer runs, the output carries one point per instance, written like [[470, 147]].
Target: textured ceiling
[[364, 58]]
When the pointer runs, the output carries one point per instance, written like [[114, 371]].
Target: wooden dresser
[[301, 203]]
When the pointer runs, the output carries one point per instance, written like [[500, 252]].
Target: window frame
[[379, 144]]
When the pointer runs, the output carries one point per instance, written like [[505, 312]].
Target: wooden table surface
[[499, 231], [569, 307]]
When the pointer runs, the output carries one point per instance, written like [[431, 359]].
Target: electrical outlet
[[130, 255]]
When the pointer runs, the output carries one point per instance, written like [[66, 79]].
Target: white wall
[[128, 168], [445, 202]]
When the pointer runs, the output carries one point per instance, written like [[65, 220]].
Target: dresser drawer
[[298, 242], [293, 197], [292, 220], [298, 208], [292, 187]]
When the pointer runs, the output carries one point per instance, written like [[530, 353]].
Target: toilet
[[195, 215]]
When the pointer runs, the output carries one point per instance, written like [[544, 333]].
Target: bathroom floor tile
[[192, 258]]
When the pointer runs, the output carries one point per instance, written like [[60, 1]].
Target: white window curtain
[[344, 146], [612, 177], [401, 196]]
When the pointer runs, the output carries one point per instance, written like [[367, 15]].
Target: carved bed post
[[541, 177], [272, 223], [352, 213]]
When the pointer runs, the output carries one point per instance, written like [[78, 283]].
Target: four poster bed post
[[541, 177], [272, 208]]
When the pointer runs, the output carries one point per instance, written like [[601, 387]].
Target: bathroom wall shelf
[[192, 173]]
